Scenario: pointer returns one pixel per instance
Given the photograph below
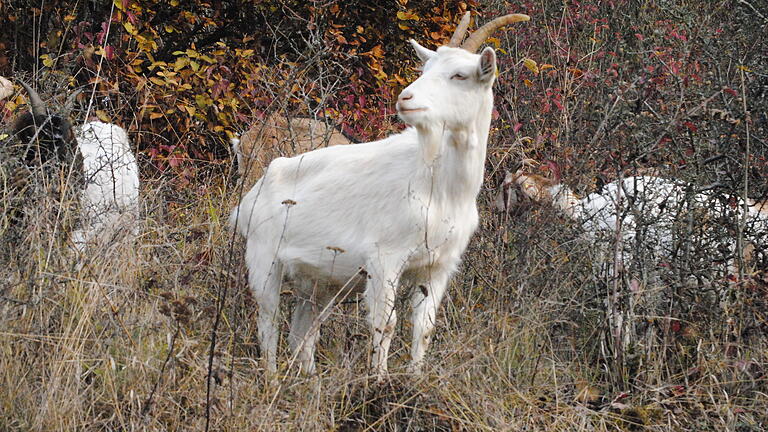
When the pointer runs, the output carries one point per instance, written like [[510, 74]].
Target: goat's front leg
[[426, 298], [380, 299]]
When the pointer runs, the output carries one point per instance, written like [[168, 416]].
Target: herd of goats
[[362, 218]]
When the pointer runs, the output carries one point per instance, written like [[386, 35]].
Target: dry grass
[[123, 344]]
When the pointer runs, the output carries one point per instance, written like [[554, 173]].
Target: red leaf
[[517, 127], [731, 91], [676, 326], [554, 168]]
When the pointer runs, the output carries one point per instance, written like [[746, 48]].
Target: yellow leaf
[[4, 136], [743, 68], [180, 63], [47, 60], [69, 18], [495, 41], [531, 65], [407, 15], [546, 66], [155, 115], [129, 28], [527, 83], [157, 81], [403, 26], [190, 110], [169, 28], [102, 115]]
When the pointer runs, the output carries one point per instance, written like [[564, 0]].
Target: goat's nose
[[405, 95]]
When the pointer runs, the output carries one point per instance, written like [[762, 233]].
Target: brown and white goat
[[94, 161], [280, 136]]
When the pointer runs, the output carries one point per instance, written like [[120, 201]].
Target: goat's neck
[[455, 158]]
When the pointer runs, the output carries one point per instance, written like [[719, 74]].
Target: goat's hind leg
[[309, 312], [265, 281]]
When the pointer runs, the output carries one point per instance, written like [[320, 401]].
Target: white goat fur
[[403, 208], [6, 88], [109, 201], [276, 136], [660, 201]]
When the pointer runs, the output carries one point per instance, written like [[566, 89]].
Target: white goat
[[276, 136], [649, 203], [658, 220], [366, 216], [110, 192], [110, 201]]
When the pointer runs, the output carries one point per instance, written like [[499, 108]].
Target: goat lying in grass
[[368, 216], [652, 212], [652, 230], [95, 158], [279, 136]]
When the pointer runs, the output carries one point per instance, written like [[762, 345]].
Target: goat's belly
[[332, 266]]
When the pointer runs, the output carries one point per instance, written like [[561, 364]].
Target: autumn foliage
[[184, 77]]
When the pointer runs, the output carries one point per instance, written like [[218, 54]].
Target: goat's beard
[[431, 141]]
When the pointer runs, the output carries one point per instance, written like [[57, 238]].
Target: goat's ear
[[423, 53], [487, 68]]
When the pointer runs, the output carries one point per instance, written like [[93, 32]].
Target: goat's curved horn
[[37, 105], [479, 36], [70, 103], [461, 31]]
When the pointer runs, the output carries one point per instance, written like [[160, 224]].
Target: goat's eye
[[459, 76]]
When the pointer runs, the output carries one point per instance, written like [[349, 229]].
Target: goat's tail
[[242, 216]]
